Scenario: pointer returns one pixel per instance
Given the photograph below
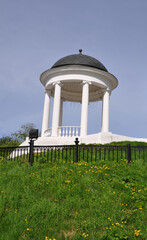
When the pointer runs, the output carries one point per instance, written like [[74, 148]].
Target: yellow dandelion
[[117, 224], [137, 232]]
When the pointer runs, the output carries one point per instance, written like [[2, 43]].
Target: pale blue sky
[[34, 34]]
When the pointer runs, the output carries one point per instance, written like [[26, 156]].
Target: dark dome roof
[[80, 59]]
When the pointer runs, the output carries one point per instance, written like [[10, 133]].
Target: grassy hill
[[128, 142], [103, 200]]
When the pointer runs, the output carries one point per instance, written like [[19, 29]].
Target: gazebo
[[75, 78]]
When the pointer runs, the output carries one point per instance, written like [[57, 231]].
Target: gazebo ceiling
[[76, 87], [72, 91]]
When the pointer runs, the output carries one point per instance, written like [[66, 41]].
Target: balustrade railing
[[69, 131], [64, 131]]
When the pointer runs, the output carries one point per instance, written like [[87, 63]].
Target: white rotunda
[[76, 78]]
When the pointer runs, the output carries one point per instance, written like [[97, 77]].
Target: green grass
[[101, 200], [122, 143]]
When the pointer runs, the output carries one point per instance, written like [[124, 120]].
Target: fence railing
[[74, 153]]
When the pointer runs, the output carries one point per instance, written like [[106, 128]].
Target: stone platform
[[99, 138]]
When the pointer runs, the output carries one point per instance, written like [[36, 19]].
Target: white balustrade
[[69, 131], [64, 131]]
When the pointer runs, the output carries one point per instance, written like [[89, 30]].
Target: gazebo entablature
[[75, 83], [70, 77]]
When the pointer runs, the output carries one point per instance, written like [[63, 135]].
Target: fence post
[[77, 143], [129, 153], [31, 152]]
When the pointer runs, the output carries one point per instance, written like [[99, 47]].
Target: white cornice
[[78, 70]]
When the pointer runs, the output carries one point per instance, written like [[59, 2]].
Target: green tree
[[16, 138], [21, 134], [8, 141]]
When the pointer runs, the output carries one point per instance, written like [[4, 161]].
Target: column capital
[[84, 82], [59, 83], [104, 90], [48, 91]]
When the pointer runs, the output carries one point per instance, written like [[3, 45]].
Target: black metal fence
[[73, 153]]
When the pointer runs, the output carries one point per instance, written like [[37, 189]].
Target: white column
[[56, 109], [84, 112], [105, 111], [46, 112], [61, 113]]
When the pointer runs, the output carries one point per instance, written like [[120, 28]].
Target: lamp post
[[33, 135], [77, 142]]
